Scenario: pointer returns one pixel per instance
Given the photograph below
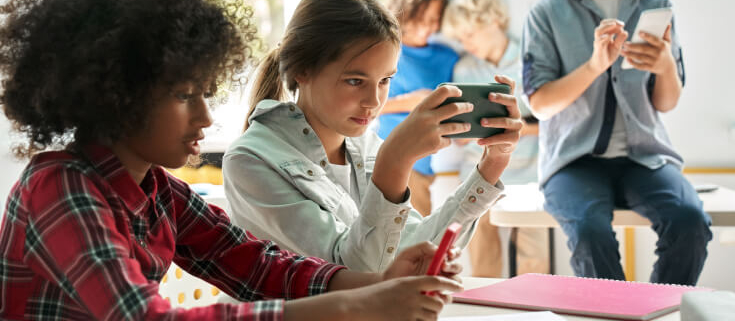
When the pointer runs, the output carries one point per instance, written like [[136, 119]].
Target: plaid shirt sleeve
[[215, 250], [74, 239]]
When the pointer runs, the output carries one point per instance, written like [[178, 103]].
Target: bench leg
[[552, 260], [629, 269], [513, 253]]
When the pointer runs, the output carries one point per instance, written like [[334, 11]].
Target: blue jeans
[[582, 196]]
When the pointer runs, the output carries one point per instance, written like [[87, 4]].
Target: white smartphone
[[652, 21], [705, 188]]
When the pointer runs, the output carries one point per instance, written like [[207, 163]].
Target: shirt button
[[615, 79], [291, 108], [323, 163], [403, 211], [310, 172], [390, 249], [472, 199], [480, 190], [142, 244], [306, 131], [398, 220]]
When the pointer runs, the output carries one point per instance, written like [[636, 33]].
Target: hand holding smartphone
[[652, 21], [477, 94], [450, 235]]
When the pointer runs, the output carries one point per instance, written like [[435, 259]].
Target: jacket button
[[390, 249], [480, 190], [472, 199], [398, 220], [306, 131], [403, 211], [310, 172], [291, 108], [359, 165], [323, 163]]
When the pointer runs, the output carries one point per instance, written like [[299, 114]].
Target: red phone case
[[441, 253]]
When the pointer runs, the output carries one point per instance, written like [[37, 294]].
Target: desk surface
[[523, 207], [459, 309]]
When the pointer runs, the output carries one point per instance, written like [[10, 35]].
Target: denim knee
[[687, 223], [593, 234]]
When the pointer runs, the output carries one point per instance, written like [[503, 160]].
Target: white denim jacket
[[277, 188]]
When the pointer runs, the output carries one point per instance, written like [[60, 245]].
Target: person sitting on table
[[602, 141]]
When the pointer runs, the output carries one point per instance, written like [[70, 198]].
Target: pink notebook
[[580, 296]]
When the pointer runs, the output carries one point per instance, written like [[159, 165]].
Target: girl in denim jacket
[[309, 174]]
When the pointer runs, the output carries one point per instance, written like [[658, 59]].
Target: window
[[270, 17]]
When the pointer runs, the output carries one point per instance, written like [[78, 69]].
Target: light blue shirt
[[557, 38]]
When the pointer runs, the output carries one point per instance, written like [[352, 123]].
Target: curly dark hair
[[82, 71]]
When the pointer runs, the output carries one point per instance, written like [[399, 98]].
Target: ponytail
[[268, 83]]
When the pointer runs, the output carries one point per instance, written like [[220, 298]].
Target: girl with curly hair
[[310, 175], [120, 89]]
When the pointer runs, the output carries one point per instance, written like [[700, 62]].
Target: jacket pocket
[[312, 181]]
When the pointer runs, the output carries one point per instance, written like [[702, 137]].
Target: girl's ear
[[301, 78]]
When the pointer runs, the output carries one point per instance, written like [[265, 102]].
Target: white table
[[523, 207], [459, 309]]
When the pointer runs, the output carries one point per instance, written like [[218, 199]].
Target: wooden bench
[[523, 207]]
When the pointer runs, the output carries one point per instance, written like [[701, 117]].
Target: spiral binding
[[611, 280]]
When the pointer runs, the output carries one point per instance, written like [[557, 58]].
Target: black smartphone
[[477, 94]]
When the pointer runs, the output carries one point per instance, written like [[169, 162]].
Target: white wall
[[10, 167], [700, 127]]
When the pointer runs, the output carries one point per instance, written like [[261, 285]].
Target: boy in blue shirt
[[422, 66]]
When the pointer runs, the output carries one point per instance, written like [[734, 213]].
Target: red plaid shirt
[[81, 240]]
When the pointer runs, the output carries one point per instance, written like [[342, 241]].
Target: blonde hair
[[463, 14]]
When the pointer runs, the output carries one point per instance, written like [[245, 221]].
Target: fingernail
[[485, 122], [493, 95], [470, 106]]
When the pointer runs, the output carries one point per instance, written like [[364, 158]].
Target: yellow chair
[[183, 290], [205, 174]]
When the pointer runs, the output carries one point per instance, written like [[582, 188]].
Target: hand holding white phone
[[652, 21]]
